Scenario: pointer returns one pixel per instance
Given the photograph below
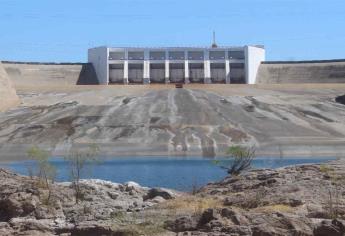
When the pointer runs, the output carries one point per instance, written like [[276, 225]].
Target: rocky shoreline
[[298, 200], [25, 210]]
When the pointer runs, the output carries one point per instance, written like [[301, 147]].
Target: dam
[[202, 119], [295, 72], [45, 74], [213, 65]]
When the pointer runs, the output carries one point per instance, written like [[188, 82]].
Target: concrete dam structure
[[203, 65], [328, 71], [33, 74], [28, 74]]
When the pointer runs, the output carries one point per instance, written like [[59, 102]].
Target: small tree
[[45, 171], [334, 190], [240, 159], [78, 160]]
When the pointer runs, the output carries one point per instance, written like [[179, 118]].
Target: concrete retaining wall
[[332, 71], [8, 96], [50, 74], [27, 75]]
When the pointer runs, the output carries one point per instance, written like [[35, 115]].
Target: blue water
[[181, 173]]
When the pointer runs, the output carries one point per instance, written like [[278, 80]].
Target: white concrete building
[[227, 65]]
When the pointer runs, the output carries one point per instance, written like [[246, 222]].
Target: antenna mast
[[214, 44]]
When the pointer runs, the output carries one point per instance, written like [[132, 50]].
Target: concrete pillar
[[167, 67], [186, 67], [107, 66], [125, 68], [146, 66], [254, 57], [227, 67], [207, 67]]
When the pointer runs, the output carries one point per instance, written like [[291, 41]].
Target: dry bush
[[334, 191], [43, 169], [78, 161], [240, 160]]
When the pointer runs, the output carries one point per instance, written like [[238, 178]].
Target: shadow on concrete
[[87, 75]]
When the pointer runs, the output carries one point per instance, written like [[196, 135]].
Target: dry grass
[[143, 229], [326, 169], [194, 205], [145, 223], [275, 208]]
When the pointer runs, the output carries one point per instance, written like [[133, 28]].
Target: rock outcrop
[[306, 200], [299, 200], [8, 96], [25, 208]]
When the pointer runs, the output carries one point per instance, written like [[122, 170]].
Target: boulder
[[90, 229], [132, 186], [161, 192], [235, 216], [182, 224], [327, 228]]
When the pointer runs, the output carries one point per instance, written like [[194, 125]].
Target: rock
[[267, 230], [317, 211], [238, 230], [113, 195], [23, 224], [35, 233], [161, 192], [327, 228], [158, 199], [92, 230], [294, 202], [27, 210], [235, 216], [290, 205], [207, 216], [5, 229], [181, 224], [10, 208], [130, 186]]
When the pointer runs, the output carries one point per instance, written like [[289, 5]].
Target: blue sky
[[63, 30]]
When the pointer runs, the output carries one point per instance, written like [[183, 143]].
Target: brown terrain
[[301, 200]]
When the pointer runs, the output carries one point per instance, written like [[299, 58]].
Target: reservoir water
[[181, 173]]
